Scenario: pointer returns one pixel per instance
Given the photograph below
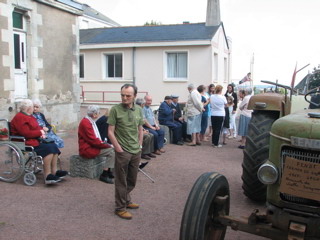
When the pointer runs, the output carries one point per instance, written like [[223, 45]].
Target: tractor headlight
[[268, 173]]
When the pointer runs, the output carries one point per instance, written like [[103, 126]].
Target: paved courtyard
[[79, 208]]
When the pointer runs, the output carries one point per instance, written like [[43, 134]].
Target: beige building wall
[[52, 60], [149, 72], [148, 69], [220, 47], [151, 75]]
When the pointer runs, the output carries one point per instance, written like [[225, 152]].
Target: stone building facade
[[39, 51]]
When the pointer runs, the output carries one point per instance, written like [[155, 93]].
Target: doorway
[[20, 58]]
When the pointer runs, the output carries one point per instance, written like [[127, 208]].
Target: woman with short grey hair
[[36, 101], [91, 144], [194, 113], [93, 109], [46, 126], [25, 104], [25, 125]]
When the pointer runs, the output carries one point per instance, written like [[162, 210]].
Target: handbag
[[46, 140]]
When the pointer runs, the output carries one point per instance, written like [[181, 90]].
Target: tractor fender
[[270, 102]]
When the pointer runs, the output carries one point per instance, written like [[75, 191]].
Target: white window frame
[[83, 56], [215, 67], [84, 24], [165, 64], [104, 67], [225, 62], [24, 21]]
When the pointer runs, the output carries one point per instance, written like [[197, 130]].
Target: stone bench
[[167, 134], [88, 168]]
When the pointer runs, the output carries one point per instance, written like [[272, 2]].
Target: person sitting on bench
[[166, 117], [91, 145]]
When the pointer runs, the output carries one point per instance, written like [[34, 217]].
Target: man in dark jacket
[[178, 117], [166, 117]]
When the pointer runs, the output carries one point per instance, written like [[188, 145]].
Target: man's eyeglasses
[[127, 96]]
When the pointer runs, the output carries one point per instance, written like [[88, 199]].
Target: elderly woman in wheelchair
[[25, 125]]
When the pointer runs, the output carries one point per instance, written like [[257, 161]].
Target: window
[[17, 51], [17, 20], [177, 65], [81, 66], [114, 65], [19, 40], [215, 67], [225, 70]]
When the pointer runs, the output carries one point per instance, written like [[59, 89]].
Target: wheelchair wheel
[[32, 164], [29, 179], [11, 162]]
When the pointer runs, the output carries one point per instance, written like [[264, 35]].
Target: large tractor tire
[[256, 153], [208, 199]]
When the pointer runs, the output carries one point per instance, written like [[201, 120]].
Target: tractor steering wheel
[[315, 90]]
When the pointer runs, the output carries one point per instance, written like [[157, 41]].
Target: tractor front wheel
[[208, 199]]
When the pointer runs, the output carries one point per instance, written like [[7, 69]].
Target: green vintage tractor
[[268, 107], [291, 173]]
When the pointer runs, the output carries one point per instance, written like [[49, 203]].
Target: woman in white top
[[217, 103], [245, 116]]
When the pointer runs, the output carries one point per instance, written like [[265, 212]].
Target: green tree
[[315, 79], [152, 23]]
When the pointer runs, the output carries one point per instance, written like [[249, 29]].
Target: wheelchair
[[17, 159]]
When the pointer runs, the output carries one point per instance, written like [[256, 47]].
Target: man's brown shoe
[[133, 206], [157, 152], [124, 214], [152, 155]]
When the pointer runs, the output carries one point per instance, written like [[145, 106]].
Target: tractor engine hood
[[298, 124]]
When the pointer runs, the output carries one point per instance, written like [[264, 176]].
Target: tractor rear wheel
[[256, 153]]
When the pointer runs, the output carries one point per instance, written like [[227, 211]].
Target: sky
[[278, 33]]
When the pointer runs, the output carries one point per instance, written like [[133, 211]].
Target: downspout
[[229, 59], [133, 65]]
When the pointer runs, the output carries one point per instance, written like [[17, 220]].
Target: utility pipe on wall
[[133, 65]]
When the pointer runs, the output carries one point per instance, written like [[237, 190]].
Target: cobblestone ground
[[80, 208]]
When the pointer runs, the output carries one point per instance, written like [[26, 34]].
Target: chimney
[[213, 13]]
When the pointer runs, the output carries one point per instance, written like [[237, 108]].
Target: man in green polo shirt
[[126, 134]]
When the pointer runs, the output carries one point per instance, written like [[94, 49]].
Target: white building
[[92, 18], [161, 60]]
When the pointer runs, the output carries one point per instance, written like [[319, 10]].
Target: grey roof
[[89, 11], [158, 33]]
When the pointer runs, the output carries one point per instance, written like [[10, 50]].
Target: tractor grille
[[302, 155]]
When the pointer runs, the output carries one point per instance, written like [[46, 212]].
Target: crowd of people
[[132, 131], [207, 114]]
